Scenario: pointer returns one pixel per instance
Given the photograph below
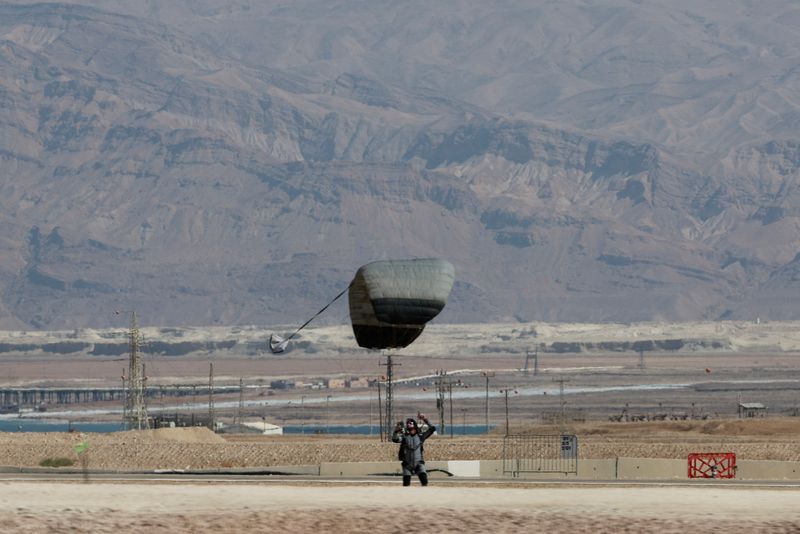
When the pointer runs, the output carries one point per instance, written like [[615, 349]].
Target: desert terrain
[[279, 504], [620, 403], [201, 449]]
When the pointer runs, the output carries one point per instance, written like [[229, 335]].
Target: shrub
[[56, 462]]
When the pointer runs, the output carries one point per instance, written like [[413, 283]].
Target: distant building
[[752, 409], [264, 428], [337, 383], [316, 383], [360, 383]]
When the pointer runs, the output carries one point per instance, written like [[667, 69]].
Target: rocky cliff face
[[235, 162]]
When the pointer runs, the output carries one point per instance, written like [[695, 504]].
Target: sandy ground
[[282, 506], [180, 507], [199, 448]]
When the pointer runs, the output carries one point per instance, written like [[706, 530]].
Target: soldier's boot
[[423, 479], [406, 480]]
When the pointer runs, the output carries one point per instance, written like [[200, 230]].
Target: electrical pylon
[[135, 408]]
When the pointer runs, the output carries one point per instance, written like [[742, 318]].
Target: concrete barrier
[[464, 468], [767, 470], [363, 469], [602, 469], [651, 468], [597, 469], [491, 468], [587, 470], [359, 469]]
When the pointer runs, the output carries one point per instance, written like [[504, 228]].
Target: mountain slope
[[193, 162]]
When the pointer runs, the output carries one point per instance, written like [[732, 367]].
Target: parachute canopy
[[390, 301]]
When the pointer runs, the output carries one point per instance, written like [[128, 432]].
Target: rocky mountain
[[233, 162]]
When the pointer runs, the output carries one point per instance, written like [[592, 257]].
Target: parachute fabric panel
[[390, 301], [277, 344], [385, 337]]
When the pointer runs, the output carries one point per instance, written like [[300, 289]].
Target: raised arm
[[397, 435], [431, 429]]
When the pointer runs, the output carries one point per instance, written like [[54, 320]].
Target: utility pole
[[389, 392], [506, 394], [562, 401], [124, 399], [211, 414], [380, 412], [241, 401], [302, 414], [487, 375], [452, 421], [443, 387], [440, 374], [327, 414]]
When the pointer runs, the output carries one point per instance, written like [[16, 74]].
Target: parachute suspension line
[[278, 344]]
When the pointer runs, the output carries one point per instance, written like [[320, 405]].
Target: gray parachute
[[391, 301]]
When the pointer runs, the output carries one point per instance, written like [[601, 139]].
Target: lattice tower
[[135, 407]]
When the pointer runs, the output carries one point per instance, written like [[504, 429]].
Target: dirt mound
[[763, 427]]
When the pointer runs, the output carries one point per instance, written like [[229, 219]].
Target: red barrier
[[712, 465]]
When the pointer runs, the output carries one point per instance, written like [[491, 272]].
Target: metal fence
[[523, 453]]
